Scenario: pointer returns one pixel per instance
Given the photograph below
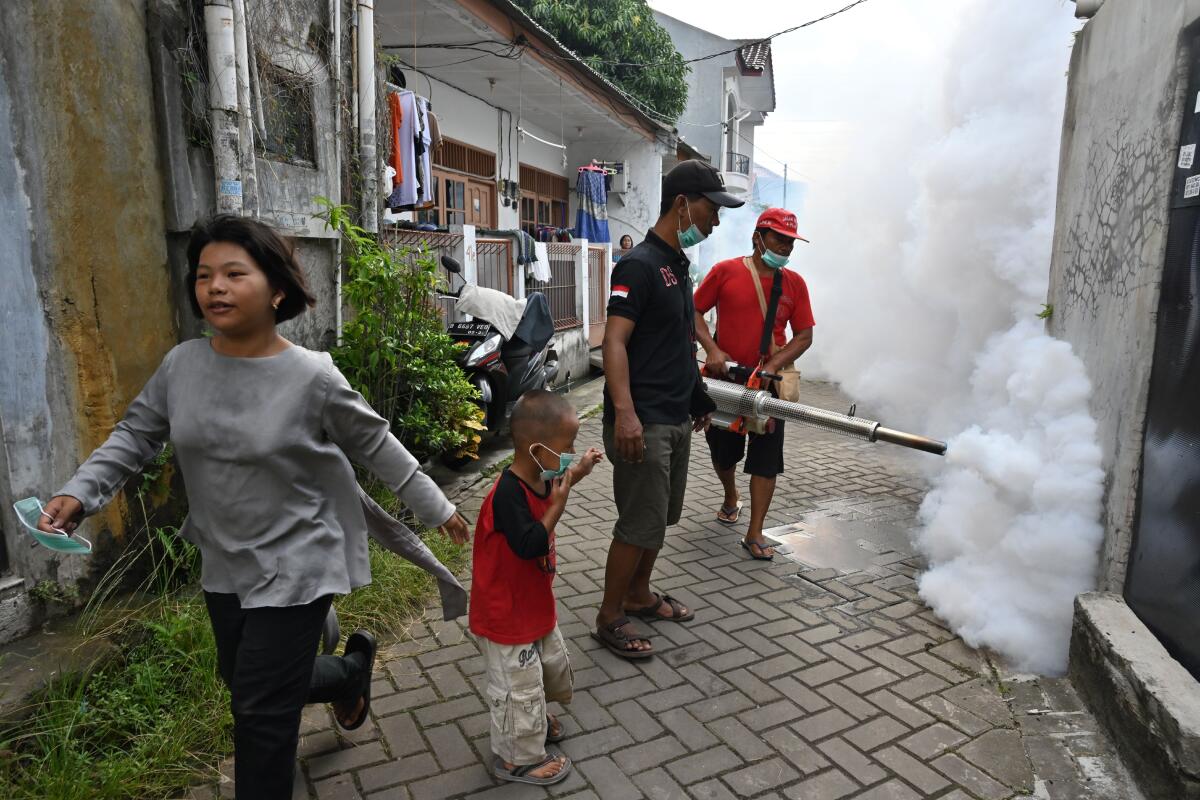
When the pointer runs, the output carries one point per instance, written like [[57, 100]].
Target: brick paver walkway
[[818, 676]]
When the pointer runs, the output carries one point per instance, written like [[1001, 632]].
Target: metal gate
[[423, 244], [597, 295], [1163, 583], [493, 264]]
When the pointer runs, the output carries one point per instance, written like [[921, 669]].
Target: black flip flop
[[520, 774], [749, 548], [734, 513], [552, 738], [362, 641]]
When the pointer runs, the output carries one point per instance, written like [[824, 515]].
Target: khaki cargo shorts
[[649, 494], [520, 679]]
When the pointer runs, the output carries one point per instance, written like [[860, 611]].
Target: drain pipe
[[1086, 9], [245, 122], [366, 114], [338, 88], [222, 102]]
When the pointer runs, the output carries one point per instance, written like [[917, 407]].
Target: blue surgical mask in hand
[[564, 462], [30, 510]]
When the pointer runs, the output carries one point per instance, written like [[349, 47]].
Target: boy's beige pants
[[521, 678]]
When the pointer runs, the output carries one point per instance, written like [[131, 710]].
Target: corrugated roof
[[755, 56]]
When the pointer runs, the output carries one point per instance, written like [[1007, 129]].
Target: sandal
[[551, 736], [617, 641], [650, 612], [520, 773], [361, 641], [761, 555], [728, 515]]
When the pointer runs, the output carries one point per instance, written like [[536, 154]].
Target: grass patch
[[499, 466], [149, 722], [399, 589]]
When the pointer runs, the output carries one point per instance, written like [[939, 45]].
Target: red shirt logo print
[[668, 277]]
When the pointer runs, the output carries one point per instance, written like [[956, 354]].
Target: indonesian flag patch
[[619, 291]]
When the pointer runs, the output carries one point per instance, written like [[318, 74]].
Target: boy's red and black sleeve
[[526, 536]]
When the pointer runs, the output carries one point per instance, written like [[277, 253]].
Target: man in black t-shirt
[[653, 400]]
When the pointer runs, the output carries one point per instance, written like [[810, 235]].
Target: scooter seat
[[515, 348]]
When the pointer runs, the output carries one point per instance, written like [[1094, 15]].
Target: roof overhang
[[547, 84]]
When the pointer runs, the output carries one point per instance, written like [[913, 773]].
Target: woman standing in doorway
[[264, 432]]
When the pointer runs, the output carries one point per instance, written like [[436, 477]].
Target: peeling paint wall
[[86, 310], [1120, 132]]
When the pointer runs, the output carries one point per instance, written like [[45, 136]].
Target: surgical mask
[[692, 236], [30, 510], [773, 259], [564, 462]]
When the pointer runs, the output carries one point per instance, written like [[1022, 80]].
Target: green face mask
[[30, 510], [771, 258], [692, 236]]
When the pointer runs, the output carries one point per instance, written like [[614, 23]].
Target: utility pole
[[785, 185]]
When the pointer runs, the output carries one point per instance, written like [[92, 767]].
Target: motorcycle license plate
[[469, 329]]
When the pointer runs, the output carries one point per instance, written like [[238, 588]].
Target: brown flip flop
[[612, 637], [650, 612]]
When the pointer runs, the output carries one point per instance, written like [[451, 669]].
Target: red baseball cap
[[781, 221]]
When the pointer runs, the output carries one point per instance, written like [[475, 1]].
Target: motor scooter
[[506, 347]]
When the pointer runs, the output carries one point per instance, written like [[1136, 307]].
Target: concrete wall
[[706, 93], [86, 300], [287, 191], [1120, 133]]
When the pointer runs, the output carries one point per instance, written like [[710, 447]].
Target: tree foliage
[[605, 31]]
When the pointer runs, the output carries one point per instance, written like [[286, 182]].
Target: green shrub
[[394, 348]]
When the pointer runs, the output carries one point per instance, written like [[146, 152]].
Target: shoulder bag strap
[[767, 344]]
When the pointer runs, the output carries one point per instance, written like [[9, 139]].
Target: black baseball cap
[[696, 177]]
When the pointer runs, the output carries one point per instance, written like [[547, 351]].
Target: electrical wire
[[590, 60]]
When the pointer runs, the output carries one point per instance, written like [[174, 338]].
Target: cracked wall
[[1120, 132], [84, 261]]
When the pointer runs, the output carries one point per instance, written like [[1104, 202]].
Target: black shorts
[[766, 450]]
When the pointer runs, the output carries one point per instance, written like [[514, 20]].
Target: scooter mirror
[[451, 265]]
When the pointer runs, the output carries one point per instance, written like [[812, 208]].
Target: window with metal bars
[[544, 200]]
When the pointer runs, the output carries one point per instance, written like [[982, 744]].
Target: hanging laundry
[[541, 262], [389, 185], [396, 157], [435, 131], [404, 157], [591, 221], [426, 196]]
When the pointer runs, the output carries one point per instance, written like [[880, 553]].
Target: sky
[[827, 73]]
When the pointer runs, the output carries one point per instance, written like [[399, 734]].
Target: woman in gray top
[[264, 432]]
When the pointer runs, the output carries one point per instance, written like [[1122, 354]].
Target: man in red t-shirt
[[729, 287]]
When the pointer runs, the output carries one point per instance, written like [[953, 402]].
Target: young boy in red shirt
[[512, 610]]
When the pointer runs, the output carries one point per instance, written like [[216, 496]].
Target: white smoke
[[927, 133], [730, 239], [927, 273]]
